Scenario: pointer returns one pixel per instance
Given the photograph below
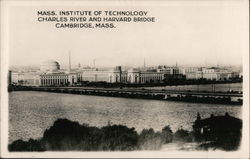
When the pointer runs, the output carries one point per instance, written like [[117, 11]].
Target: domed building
[[50, 66]]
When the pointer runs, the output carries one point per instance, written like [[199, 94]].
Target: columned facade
[[54, 79]]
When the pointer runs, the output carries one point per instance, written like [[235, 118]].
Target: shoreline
[[67, 135]]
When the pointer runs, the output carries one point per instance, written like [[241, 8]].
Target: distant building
[[208, 73], [194, 75], [151, 77], [54, 79], [26, 79], [172, 73], [137, 76], [50, 74], [94, 76], [169, 70], [115, 75]]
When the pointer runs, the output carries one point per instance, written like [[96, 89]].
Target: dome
[[50, 66]]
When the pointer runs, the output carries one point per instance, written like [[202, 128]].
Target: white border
[[242, 153]]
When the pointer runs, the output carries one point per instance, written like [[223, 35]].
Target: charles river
[[30, 113]]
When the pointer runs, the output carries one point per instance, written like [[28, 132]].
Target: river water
[[30, 112]]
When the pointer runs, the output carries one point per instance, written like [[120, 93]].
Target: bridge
[[140, 91], [235, 98]]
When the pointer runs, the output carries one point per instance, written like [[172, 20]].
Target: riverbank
[[66, 135]]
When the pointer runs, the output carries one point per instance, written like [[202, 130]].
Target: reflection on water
[[30, 113]]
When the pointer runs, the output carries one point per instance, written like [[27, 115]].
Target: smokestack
[[144, 62], [69, 62]]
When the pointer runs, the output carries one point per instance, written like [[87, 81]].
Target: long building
[[111, 76], [50, 74], [25, 78], [208, 73], [137, 76]]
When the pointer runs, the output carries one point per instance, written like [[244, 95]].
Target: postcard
[[125, 79]]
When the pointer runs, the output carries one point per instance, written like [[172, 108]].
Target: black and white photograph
[[125, 78]]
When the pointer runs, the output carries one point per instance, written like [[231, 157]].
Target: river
[[30, 112]]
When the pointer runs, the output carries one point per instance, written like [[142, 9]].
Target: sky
[[190, 33]]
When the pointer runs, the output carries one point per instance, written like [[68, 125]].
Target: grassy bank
[[66, 135]]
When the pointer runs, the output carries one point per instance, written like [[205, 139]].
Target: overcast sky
[[189, 33]]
